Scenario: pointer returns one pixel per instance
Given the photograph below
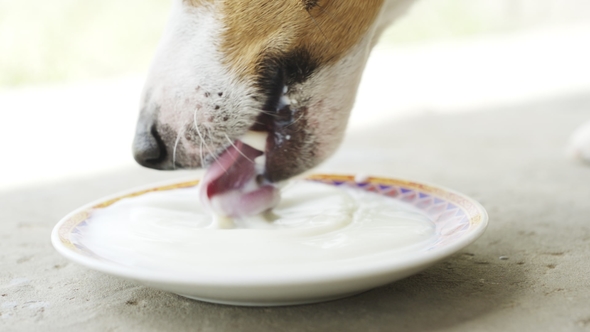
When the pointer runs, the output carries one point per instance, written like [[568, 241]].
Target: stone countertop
[[510, 159]]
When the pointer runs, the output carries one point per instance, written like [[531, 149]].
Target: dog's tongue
[[230, 186]]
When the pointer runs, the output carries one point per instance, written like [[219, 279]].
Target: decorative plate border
[[452, 213], [73, 224]]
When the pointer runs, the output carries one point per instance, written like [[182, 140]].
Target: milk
[[315, 226]]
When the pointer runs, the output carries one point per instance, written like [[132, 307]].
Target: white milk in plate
[[315, 225]]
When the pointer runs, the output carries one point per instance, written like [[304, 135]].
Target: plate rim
[[414, 261]]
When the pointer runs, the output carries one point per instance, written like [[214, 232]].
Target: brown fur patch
[[196, 3], [326, 29]]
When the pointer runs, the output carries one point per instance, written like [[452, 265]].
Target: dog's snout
[[149, 149]]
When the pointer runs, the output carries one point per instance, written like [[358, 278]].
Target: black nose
[[149, 149]]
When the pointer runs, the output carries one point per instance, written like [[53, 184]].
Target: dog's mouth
[[240, 181], [234, 185]]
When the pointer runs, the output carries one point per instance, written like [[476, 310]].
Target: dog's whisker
[[200, 138], [195, 123], [319, 28], [294, 122], [274, 115], [216, 158], [325, 11], [208, 134], [201, 153], [178, 135], [232, 144]]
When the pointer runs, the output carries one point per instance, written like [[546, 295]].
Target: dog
[[290, 67], [287, 67]]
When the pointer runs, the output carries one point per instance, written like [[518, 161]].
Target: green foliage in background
[[64, 40]]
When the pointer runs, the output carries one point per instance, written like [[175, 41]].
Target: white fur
[[182, 92], [331, 102], [579, 144], [187, 77], [331, 93]]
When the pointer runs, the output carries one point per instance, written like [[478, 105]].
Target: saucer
[[457, 221]]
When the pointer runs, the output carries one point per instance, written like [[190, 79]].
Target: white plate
[[458, 220]]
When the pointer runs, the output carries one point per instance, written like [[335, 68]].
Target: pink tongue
[[229, 186]]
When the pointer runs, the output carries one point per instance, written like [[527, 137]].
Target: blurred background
[[48, 42], [71, 72]]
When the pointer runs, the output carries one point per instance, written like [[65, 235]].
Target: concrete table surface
[[509, 159]]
